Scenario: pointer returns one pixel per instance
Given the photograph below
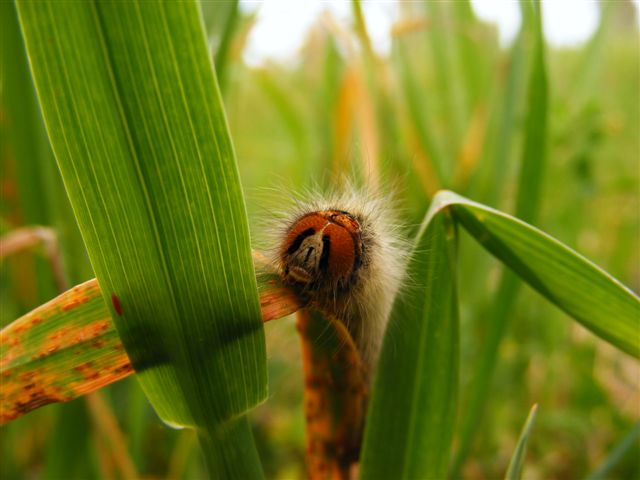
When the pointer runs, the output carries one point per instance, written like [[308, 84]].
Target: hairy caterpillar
[[344, 255]]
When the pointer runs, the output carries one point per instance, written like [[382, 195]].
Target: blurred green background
[[445, 109]]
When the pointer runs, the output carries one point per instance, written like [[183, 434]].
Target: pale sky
[[282, 24]]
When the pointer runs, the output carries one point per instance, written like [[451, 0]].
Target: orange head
[[322, 250]]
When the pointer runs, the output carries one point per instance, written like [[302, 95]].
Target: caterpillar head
[[323, 250], [344, 257]]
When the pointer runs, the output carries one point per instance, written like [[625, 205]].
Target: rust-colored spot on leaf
[[71, 305], [116, 304], [58, 334], [21, 328], [27, 376]]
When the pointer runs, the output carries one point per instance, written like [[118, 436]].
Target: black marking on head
[[359, 251], [323, 265], [295, 245], [309, 252]]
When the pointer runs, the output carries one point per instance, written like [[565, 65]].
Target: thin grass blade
[[221, 20], [630, 440], [528, 201], [514, 472]]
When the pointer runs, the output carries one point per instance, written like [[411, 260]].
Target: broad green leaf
[[514, 472], [69, 346], [136, 122], [584, 291], [413, 406]]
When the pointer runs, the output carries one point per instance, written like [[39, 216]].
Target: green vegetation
[[548, 135]]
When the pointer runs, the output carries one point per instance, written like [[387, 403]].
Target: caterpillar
[[344, 256]]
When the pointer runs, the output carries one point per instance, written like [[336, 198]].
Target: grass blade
[[620, 450], [565, 278], [221, 20], [530, 182], [138, 128], [514, 472], [410, 426], [534, 151], [443, 43], [416, 107]]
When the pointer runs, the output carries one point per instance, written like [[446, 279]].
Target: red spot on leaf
[[116, 303]]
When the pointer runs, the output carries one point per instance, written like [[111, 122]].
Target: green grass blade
[[26, 165], [26, 160], [466, 26], [70, 455], [413, 407], [443, 42], [137, 125], [532, 168], [221, 20], [416, 107], [42, 199], [514, 472], [27, 143], [410, 426], [530, 182], [587, 293], [493, 171], [630, 440], [380, 98]]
